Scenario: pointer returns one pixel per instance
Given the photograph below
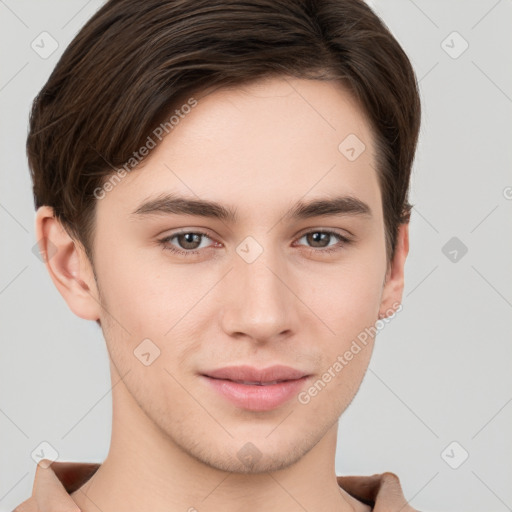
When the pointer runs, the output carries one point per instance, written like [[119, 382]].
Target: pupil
[[189, 239], [318, 236]]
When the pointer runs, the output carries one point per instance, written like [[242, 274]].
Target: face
[[267, 279]]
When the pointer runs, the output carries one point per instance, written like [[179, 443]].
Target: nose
[[260, 304]]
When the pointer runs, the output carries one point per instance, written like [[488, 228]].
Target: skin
[[260, 149]]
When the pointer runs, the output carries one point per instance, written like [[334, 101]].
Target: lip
[[256, 397], [252, 374]]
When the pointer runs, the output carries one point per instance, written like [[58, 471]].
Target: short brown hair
[[133, 60]]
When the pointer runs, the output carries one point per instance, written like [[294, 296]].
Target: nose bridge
[[260, 306]]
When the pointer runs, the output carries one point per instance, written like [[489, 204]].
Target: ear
[[394, 282], [68, 265]]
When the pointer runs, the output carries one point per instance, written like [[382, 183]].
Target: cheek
[[150, 296], [347, 297], [349, 308], [142, 298], [343, 369], [149, 299]]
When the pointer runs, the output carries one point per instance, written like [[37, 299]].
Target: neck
[[146, 469]]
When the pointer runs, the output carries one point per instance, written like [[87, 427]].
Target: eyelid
[[196, 231], [344, 239], [343, 242], [343, 233], [203, 231], [181, 231]]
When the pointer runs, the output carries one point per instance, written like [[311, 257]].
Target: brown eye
[[188, 243], [189, 240], [320, 240]]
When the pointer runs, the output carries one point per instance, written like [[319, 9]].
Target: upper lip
[[251, 374]]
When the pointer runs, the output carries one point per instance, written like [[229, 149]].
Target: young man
[[222, 186]]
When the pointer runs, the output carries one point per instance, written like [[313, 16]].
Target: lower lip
[[254, 397]]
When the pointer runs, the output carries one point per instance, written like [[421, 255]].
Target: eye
[[320, 241], [188, 242]]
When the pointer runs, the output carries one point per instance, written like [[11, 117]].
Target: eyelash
[[339, 246]]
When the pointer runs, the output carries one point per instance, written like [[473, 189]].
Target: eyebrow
[[166, 204]]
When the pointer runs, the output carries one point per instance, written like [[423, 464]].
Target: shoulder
[[382, 491], [28, 505]]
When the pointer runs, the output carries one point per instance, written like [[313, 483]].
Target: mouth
[[254, 383], [256, 376], [256, 394]]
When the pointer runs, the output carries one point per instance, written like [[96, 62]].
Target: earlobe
[[67, 264], [394, 284]]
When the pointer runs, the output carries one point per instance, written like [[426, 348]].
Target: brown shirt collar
[[54, 484]]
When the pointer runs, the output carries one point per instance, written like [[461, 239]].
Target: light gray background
[[440, 371]]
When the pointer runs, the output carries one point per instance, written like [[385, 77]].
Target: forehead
[[261, 144], [277, 112]]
